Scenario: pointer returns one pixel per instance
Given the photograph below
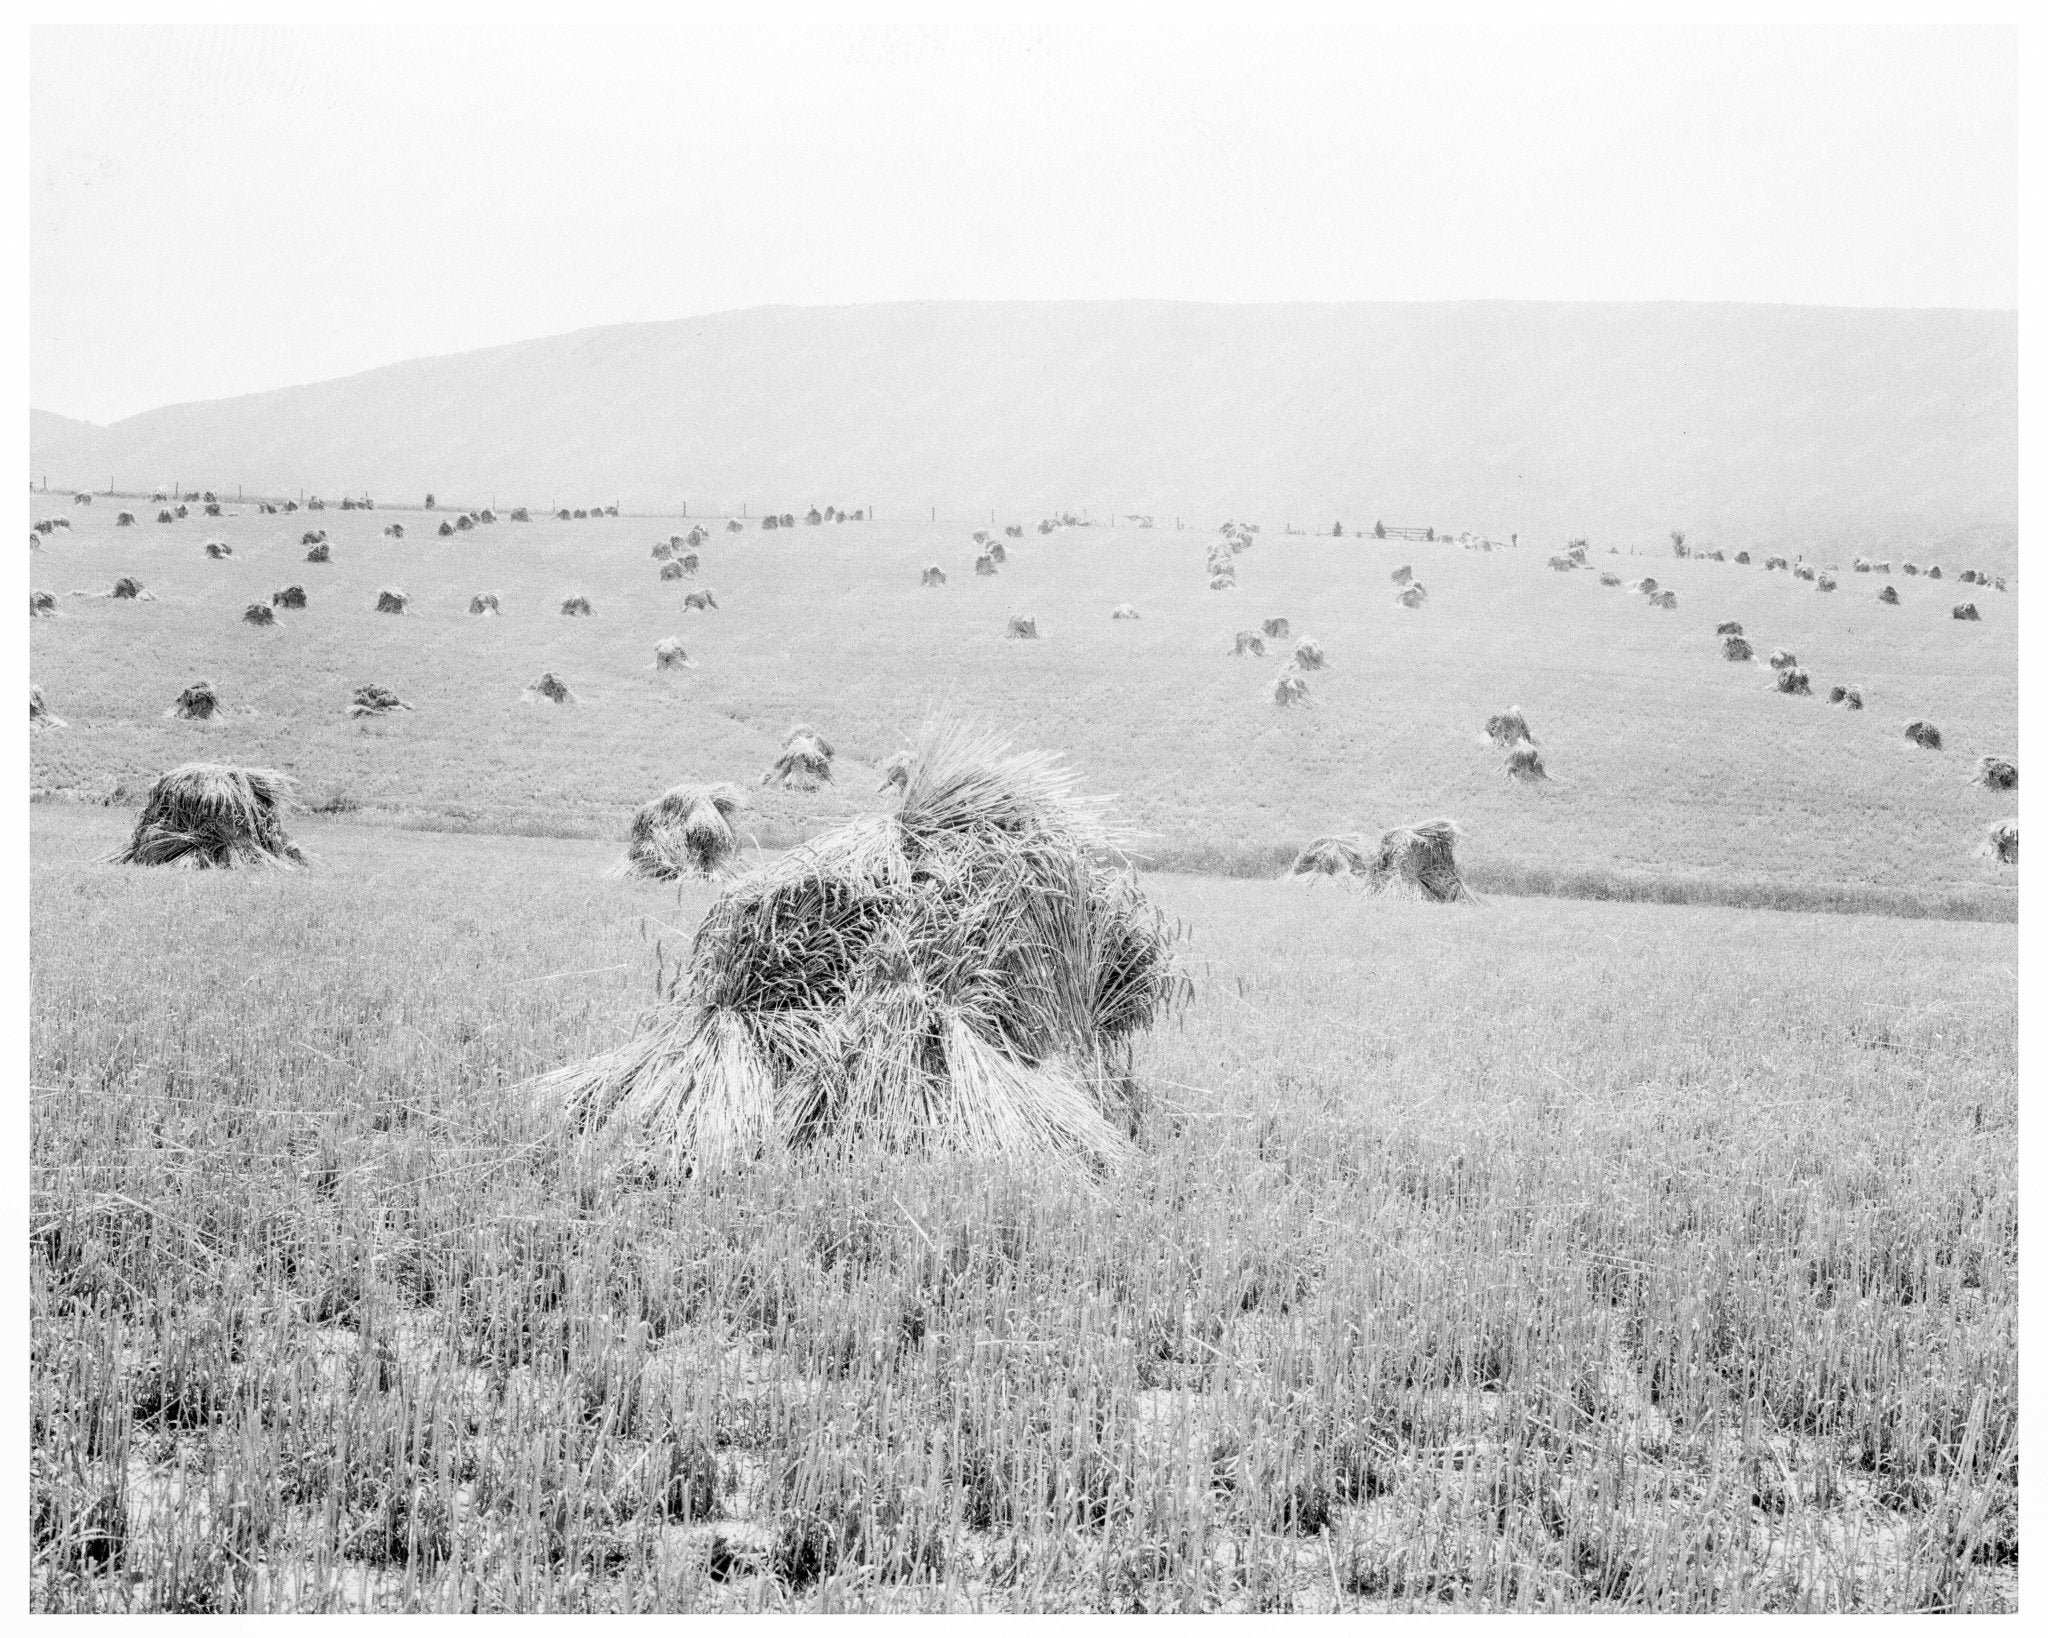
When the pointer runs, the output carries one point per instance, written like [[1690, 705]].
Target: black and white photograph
[[1022, 816]]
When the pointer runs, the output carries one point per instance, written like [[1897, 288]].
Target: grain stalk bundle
[[686, 831], [968, 972], [208, 816]]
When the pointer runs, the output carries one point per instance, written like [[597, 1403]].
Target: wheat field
[[1677, 775], [1526, 1255]]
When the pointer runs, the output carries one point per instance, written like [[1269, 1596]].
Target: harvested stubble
[[1890, 594], [207, 816], [548, 686], [484, 603], [1290, 688], [289, 597], [576, 605], [686, 831], [1308, 655], [1403, 575], [218, 549], [1332, 856], [669, 655], [2002, 841], [1412, 597], [259, 614], [1793, 679], [1847, 695], [964, 973], [1525, 762], [1248, 642], [39, 714], [674, 571], [1023, 625], [42, 603], [1123, 611], [319, 554], [1419, 862], [1276, 627], [1924, 734], [1728, 628], [1997, 773], [371, 700], [702, 598], [1964, 611], [390, 601], [933, 575], [984, 565], [195, 703]]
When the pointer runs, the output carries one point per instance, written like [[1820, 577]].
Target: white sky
[[217, 211]]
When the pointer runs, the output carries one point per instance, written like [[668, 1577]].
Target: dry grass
[[196, 702], [970, 972], [1573, 1274], [1509, 727], [206, 816], [686, 831], [1333, 856], [372, 700]]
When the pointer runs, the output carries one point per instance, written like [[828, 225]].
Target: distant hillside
[[1617, 421], [67, 451]]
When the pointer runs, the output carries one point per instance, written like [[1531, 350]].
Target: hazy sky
[[221, 210]]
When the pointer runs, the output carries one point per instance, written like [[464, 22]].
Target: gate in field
[[1390, 531]]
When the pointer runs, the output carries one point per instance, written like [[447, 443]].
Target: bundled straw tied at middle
[[967, 972]]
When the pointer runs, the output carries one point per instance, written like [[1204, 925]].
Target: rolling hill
[[1822, 427]]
